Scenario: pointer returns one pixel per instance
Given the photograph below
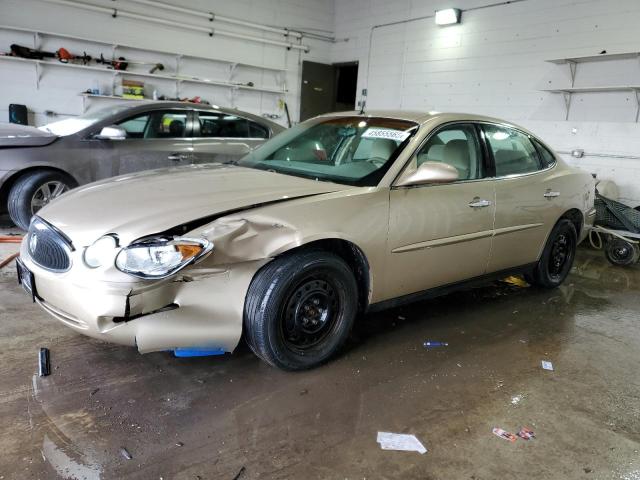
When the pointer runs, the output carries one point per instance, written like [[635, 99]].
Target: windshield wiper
[[230, 162]]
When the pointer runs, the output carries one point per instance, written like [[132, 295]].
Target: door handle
[[178, 157], [551, 194], [478, 202]]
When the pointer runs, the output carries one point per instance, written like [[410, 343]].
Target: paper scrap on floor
[[547, 365], [504, 434], [400, 441]]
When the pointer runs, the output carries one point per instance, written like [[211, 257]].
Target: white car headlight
[[101, 252], [160, 257]]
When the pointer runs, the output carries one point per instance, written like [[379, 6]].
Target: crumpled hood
[[13, 135], [154, 201]]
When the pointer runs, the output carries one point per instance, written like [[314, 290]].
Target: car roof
[[162, 105], [421, 116], [156, 104]]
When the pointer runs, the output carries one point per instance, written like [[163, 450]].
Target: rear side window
[[221, 125], [512, 150], [547, 157], [257, 131]]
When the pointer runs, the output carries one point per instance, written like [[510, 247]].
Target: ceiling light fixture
[[448, 16]]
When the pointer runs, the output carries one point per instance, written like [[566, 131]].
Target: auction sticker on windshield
[[386, 133]]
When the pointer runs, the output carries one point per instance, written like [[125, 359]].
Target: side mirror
[[112, 132], [429, 172]]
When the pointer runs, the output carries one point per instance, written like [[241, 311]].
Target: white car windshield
[[350, 150], [72, 125]]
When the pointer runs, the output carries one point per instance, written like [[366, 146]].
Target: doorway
[[327, 88]]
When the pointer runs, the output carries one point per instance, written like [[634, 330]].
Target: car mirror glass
[[112, 132], [429, 172]]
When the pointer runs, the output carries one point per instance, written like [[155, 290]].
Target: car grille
[[48, 247]]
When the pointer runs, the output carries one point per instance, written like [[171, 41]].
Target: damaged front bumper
[[200, 308]]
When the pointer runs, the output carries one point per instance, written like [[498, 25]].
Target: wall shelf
[[595, 58], [175, 63], [613, 88], [93, 96], [115, 46], [573, 62], [125, 73]]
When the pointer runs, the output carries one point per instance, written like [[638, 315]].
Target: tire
[[300, 309], [27, 195], [557, 257], [620, 252]]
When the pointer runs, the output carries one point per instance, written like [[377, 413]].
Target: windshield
[[350, 150], [69, 126]]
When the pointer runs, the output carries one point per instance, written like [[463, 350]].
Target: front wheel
[[33, 191], [557, 257], [299, 309]]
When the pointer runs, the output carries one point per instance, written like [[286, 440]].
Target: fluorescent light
[[448, 16]]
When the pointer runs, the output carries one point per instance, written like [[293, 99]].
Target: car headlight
[[101, 252], [160, 257]]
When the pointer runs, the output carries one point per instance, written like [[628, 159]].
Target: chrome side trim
[[517, 228], [443, 241]]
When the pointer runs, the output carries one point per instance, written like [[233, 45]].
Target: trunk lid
[[13, 135]]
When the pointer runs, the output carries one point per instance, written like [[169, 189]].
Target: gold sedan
[[343, 214]]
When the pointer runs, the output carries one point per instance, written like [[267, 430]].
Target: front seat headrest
[[176, 128], [456, 154], [382, 148]]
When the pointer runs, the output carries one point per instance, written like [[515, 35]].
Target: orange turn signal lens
[[188, 250]]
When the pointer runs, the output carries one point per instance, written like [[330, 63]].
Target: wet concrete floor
[[207, 418]]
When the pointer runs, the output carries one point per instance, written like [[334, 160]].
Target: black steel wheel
[[557, 257], [561, 251], [620, 252], [310, 313], [300, 308]]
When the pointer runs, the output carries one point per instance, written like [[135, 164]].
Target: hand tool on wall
[[122, 64]]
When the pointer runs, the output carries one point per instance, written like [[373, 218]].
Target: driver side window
[[458, 146], [157, 124], [135, 126]]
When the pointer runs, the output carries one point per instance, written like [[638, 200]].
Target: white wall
[[493, 64], [59, 88]]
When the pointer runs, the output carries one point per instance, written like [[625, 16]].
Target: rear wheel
[[33, 191], [557, 257], [299, 309], [620, 252]]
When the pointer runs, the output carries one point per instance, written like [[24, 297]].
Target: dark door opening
[[327, 88], [346, 84]]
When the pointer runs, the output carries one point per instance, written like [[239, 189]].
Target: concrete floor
[[207, 418]]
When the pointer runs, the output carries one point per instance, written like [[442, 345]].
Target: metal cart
[[617, 231]]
